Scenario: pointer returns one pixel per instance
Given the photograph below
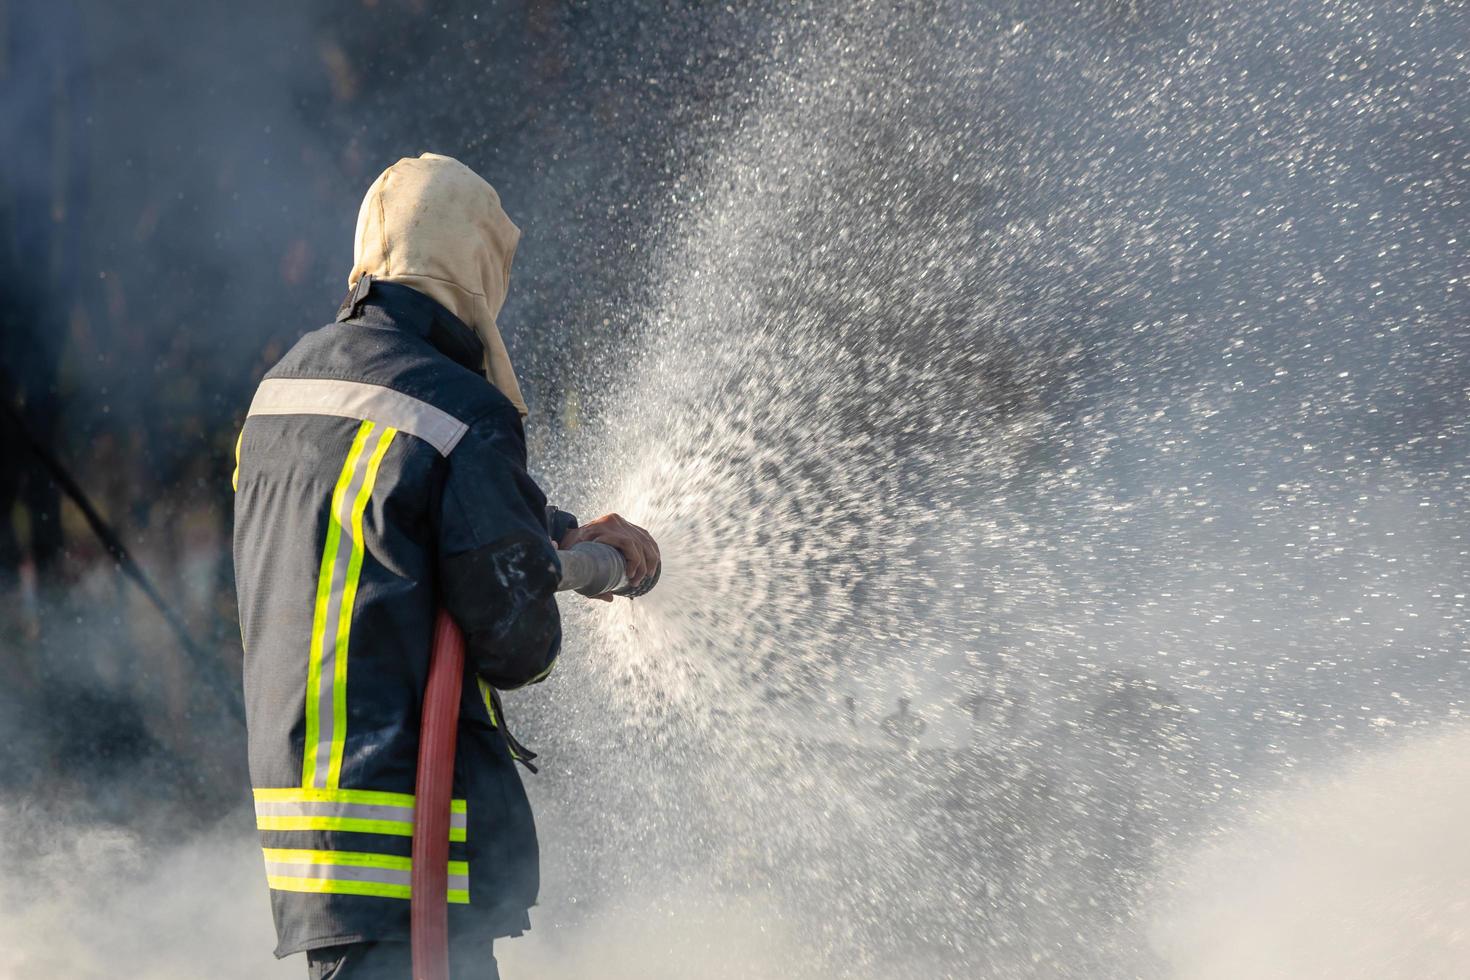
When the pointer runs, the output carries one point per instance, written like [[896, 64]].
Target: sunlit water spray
[[1091, 380]]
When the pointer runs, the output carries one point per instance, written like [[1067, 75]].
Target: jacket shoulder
[[406, 364]]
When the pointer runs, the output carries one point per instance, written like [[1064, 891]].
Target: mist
[[91, 900], [1356, 871]]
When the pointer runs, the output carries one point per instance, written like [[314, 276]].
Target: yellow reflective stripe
[[393, 828], [331, 886], [489, 701], [538, 678], [349, 599], [391, 883], [489, 698], [323, 597], [356, 825], [545, 673], [235, 477], [371, 889], [310, 794], [371, 797], [357, 859]]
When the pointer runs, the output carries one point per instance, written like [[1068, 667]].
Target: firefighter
[[381, 473]]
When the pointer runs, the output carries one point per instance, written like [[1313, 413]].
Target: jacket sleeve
[[559, 522], [497, 567]]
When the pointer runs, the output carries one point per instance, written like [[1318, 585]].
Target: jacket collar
[[408, 309]]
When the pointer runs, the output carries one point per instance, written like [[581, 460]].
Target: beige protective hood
[[435, 225]]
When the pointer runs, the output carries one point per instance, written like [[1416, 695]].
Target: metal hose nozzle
[[592, 568]]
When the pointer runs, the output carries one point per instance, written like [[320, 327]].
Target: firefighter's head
[[433, 224]]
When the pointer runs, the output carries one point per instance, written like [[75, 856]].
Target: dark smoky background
[[176, 208]]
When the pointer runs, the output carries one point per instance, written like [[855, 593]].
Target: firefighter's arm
[[498, 569]]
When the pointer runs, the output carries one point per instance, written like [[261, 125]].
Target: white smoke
[[681, 933], [1363, 873], [89, 903]]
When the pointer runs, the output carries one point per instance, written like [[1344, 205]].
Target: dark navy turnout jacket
[[379, 475]]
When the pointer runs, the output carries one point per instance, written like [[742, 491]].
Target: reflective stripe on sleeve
[[357, 811], [489, 700], [354, 873], [357, 400], [487, 694]]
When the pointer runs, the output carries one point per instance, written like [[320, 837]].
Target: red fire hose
[[429, 882], [591, 568]]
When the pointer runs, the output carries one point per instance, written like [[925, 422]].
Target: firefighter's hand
[[640, 551]]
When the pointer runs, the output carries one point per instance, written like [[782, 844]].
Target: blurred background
[[178, 208], [1053, 413]]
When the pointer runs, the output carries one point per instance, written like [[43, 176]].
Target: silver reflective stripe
[[357, 400], [349, 811], [357, 811], [340, 872], [355, 873]]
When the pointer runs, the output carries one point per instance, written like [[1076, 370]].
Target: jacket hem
[[306, 945]]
